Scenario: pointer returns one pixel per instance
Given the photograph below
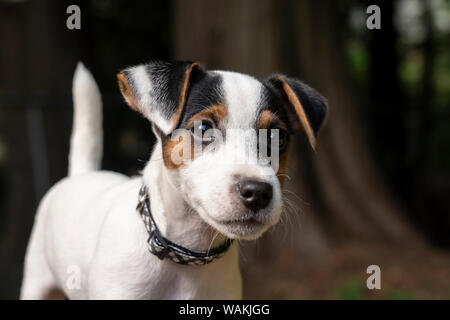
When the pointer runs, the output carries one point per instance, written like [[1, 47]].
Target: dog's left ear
[[158, 90], [306, 108]]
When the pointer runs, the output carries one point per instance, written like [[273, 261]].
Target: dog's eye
[[200, 128], [283, 138]]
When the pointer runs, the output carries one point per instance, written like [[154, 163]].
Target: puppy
[[168, 234]]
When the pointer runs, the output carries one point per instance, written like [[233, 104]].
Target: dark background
[[375, 193]]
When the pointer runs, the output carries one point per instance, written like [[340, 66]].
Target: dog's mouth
[[247, 228], [242, 225], [253, 222]]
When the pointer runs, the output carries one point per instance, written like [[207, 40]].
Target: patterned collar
[[164, 248]]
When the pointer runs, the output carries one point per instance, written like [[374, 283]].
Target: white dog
[[168, 233]]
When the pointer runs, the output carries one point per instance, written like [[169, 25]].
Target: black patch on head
[[168, 79], [313, 103], [272, 100], [205, 91]]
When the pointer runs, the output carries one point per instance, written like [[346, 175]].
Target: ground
[[406, 273]]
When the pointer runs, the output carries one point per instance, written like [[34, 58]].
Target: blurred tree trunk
[[343, 195], [351, 186]]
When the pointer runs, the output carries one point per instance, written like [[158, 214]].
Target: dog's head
[[225, 137]]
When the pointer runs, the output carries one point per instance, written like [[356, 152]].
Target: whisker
[[214, 238], [284, 175], [296, 196]]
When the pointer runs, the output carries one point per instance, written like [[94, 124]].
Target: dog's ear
[[158, 90], [306, 108]]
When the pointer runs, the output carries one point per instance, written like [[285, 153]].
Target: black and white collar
[[164, 248]]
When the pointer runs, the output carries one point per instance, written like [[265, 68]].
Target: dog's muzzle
[[164, 248]]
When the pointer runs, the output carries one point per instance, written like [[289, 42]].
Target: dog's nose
[[256, 195]]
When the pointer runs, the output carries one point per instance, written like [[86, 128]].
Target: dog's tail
[[86, 143]]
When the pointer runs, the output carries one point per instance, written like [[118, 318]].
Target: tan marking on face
[[183, 94], [169, 146], [295, 102], [267, 119], [127, 93], [217, 114]]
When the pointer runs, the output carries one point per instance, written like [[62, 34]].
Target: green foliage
[[411, 70], [442, 76], [399, 294], [358, 60], [355, 289], [351, 289]]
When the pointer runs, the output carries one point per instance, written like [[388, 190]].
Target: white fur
[[86, 145], [147, 99], [242, 95]]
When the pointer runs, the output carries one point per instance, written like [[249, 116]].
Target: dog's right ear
[[158, 90], [306, 108]]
